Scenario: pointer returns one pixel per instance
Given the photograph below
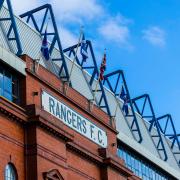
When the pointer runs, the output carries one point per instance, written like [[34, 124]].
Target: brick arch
[[53, 174]]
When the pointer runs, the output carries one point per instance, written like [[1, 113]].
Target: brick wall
[[36, 142]]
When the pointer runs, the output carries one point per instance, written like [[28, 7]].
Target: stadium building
[[59, 121]]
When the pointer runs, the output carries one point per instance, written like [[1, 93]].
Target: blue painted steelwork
[[47, 9], [95, 72], [12, 32], [115, 87], [150, 116], [169, 131]]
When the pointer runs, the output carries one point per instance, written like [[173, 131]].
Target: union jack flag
[[102, 68]]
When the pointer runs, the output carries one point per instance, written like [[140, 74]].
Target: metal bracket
[[47, 9], [11, 30]]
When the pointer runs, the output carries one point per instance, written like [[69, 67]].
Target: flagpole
[[96, 87], [94, 94], [39, 59], [74, 60], [117, 104]]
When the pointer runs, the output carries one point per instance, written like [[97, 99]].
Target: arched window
[[10, 172]]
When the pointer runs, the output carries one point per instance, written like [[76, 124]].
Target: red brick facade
[[41, 147]]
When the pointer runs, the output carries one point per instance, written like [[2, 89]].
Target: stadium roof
[[141, 129]]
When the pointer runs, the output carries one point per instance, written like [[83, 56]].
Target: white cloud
[[67, 12], [115, 30], [76, 10], [67, 38], [20, 6], [155, 35]]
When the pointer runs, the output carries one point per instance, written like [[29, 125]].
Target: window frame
[[7, 74], [146, 169], [13, 170]]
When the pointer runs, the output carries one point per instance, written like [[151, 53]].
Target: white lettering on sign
[[73, 119]]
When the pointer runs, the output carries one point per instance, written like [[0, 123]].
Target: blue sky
[[142, 38]]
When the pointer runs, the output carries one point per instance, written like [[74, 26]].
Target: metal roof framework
[[13, 35], [47, 9], [102, 103], [146, 103], [121, 82], [169, 131]]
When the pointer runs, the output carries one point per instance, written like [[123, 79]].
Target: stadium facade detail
[[49, 126]]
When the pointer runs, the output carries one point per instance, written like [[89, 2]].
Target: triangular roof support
[[169, 131], [115, 87], [12, 30], [146, 104], [47, 9]]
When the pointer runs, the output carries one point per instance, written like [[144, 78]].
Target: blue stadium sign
[[73, 119]]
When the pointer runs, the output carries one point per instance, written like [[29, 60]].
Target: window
[[10, 172], [9, 85], [143, 169]]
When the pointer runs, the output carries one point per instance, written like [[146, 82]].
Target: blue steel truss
[[47, 9], [13, 36], [115, 87], [95, 72], [169, 131], [12, 32], [150, 116]]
